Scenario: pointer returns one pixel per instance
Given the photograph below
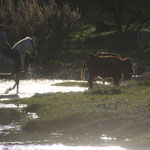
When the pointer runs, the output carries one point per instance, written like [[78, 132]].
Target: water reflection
[[58, 147], [13, 138], [12, 105], [9, 126], [28, 88], [104, 137]]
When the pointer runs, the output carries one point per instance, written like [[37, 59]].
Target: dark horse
[[7, 65]]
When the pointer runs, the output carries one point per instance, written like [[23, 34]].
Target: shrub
[[105, 89]]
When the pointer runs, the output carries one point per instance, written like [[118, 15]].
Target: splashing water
[[59, 147], [28, 88]]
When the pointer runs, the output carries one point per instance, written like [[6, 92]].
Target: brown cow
[[105, 67], [126, 76]]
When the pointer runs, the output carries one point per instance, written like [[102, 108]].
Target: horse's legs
[[16, 84]]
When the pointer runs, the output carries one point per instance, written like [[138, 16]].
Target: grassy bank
[[122, 111]]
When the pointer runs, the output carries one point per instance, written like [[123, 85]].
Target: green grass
[[65, 112], [121, 112], [79, 84], [83, 34]]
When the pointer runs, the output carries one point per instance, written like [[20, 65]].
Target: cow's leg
[[90, 81], [116, 79]]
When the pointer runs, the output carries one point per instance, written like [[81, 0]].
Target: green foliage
[[143, 83], [72, 25], [30, 18], [106, 90]]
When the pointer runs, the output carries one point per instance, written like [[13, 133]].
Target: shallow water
[[13, 138], [28, 88], [59, 147], [11, 116]]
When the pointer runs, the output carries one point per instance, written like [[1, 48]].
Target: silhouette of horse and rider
[[12, 59]]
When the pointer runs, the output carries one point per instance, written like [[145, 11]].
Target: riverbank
[[120, 112]]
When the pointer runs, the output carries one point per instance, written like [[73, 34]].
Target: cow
[[126, 76], [105, 54], [106, 67]]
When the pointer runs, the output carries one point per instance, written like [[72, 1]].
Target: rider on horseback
[[6, 49]]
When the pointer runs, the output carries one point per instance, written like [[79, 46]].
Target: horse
[[8, 65]]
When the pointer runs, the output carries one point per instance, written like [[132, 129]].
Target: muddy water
[[11, 117]]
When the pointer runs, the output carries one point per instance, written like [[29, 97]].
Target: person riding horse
[[7, 50]]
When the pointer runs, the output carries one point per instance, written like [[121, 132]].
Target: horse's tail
[[85, 66]]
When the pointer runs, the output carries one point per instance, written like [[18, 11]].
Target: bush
[[105, 89]]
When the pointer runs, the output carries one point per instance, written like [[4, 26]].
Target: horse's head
[[32, 47], [26, 45]]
